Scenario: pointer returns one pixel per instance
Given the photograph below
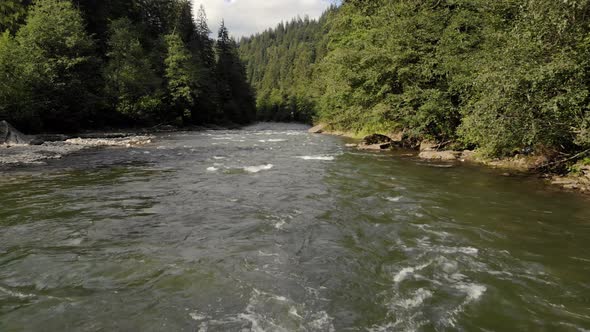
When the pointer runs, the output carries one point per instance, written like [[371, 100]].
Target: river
[[270, 228]]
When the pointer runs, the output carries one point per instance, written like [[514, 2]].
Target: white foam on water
[[272, 312], [256, 169], [419, 297], [279, 224], [276, 140], [321, 321], [293, 312], [263, 254], [212, 169], [218, 158], [408, 271], [16, 294], [197, 316], [459, 250], [394, 199], [325, 158], [474, 291]]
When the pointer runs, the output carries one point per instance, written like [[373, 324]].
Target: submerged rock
[[10, 136]]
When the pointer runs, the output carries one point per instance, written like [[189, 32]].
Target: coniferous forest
[[506, 76], [67, 65]]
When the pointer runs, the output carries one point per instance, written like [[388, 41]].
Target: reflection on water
[[273, 229]]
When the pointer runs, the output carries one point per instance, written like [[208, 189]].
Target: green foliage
[[12, 14], [155, 65], [533, 90], [131, 80], [502, 76], [50, 63], [235, 97], [280, 67], [182, 73]]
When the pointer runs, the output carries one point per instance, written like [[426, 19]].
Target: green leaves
[[502, 75], [182, 73], [131, 80], [48, 62]]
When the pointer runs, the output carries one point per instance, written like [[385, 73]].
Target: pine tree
[[235, 97], [203, 46]]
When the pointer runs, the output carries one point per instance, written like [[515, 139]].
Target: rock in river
[[10, 136], [376, 142], [317, 129]]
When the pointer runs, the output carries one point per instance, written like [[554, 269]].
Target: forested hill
[[280, 63], [505, 76], [66, 65]]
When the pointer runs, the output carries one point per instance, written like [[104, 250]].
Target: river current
[[270, 228]]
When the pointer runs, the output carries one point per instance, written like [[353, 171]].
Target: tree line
[[66, 65], [503, 76]]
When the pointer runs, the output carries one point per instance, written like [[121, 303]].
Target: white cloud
[[246, 17]]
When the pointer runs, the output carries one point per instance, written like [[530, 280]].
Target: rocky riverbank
[[14, 154], [17, 148], [577, 179]]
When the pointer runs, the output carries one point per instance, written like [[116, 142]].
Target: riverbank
[[25, 154], [19, 149], [577, 179]]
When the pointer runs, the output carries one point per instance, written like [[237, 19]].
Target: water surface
[[272, 229]]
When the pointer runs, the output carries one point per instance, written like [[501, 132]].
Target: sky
[[246, 17]]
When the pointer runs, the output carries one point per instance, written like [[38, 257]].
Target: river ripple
[[272, 229]]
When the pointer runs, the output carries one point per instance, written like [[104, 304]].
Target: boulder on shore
[[375, 147], [376, 139], [10, 136], [428, 146], [376, 142], [440, 155], [317, 129]]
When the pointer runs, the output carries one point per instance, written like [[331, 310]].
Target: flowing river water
[[273, 229]]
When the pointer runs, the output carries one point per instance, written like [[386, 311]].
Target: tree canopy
[[503, 76], [67, 65]]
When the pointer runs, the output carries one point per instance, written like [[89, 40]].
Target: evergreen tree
[[235, 98], [182, 73], [203, 46], [131, 81]]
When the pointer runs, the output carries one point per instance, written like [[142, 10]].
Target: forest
[[505, 76], [70, 65]]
